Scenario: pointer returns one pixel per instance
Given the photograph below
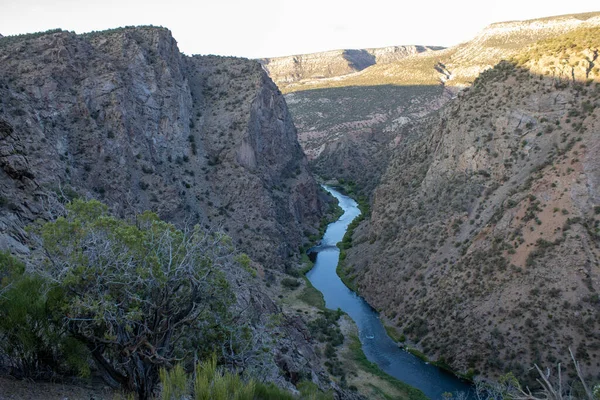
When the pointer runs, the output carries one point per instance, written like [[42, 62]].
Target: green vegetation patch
[[408, 392], [311, 296]]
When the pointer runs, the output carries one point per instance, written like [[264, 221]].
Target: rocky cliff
[[461, 64], [291, 73], [124, 117], [483, 245]]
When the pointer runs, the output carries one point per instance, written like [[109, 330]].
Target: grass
[[405, 391], [209, 381], [345, 274], [393, 333], [417, 354], [312, 296], [344, 271]]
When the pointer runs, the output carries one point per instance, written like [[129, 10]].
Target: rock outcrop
[[124, 117]]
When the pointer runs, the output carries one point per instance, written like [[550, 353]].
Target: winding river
[[376, 344]]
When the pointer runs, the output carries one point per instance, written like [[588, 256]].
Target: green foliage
[[393, 333], [361, 359], [140, 295], [8, 40], [209, 382], [173, 383], [309, 390], [572, 41], [326, 329], [290, 283], [212, 383], [10, 269], [244, 261], [417, 354], [30, 340], [343, 271], [312, 296]]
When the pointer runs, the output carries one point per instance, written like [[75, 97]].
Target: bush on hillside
[[134, 297], [31, 344]]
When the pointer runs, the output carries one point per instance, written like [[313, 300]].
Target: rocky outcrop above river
[[483, 244], [124, 117]]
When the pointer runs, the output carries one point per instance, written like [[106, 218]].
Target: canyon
[[481, 246], [476, 168], [123, 117]]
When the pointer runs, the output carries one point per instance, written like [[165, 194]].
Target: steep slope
[[124, 117], [483, 245], [291, 73], [348, 133], [348, 125]]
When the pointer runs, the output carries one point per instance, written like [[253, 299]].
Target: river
[[376, 344]]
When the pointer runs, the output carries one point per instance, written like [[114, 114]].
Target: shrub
[[290, 283], [138, 296], [209, 382], [31, 344]]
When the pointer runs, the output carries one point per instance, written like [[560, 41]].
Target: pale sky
[[266, 28]]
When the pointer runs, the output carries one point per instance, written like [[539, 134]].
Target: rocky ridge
[[459, 65], [291, 73], [122, 116], [483, 244]]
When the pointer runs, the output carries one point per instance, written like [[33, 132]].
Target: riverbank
[[347, 275], [379, 349], [360, 375], [366, 376]]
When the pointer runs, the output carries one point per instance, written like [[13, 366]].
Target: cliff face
[[483, 245], [291, 73], [124, 117], [461, 64], [349, 133]]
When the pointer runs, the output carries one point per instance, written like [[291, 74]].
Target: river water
[[376, 344]]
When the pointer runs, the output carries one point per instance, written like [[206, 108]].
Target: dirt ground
[[13, 389]]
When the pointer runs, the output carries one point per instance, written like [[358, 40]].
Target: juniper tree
[[139, 295]]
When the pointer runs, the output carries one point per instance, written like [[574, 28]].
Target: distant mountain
[[460, 65], [291, 73]]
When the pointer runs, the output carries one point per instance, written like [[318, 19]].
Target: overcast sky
[[263, 28]]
